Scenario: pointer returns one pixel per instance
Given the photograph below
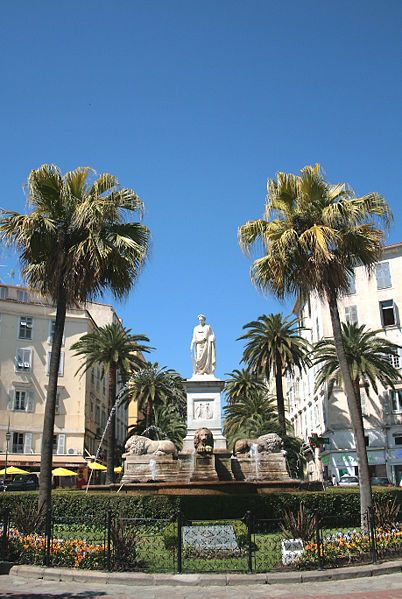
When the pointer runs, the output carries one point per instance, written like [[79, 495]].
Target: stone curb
[[194, 580]]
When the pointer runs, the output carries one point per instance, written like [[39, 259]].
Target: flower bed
[[350, 547], [68, 553]]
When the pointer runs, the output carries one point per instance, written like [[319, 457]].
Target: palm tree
[[313, 234], [274, 347], [116, 349], [166, 424], [369, 360], [153, 385], [242, 383], [250, 416], [76, 242]]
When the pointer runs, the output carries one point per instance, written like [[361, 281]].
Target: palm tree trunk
[[280, 402], [111, 431], [148, 412], [45, 484], [354, 411]]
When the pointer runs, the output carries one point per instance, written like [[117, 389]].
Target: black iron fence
[[180, 545]]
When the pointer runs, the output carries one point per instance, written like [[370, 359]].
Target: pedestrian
[[334, 481]]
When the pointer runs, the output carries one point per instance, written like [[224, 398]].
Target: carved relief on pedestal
[[203, 410]]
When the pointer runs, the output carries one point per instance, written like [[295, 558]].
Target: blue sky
[[195, 105]]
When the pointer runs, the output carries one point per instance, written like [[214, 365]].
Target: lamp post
[[8, 437]]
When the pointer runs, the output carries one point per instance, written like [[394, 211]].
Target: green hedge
[[79, 507]]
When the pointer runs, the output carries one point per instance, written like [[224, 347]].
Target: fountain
[[204, 465]]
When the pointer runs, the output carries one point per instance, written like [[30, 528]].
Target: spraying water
[[152, 467], [254, 453], [119, 397]]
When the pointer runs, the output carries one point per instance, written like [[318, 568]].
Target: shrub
[[343, 505], [301, 525], [386, 513]]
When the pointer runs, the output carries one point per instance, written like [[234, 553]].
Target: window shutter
[[27, 442], [30, 401], [363, 401], [11, 399], [383, 275], [61, 444], [61, 364], [351, 314]]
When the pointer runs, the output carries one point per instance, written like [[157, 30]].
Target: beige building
[[26, 325], [375, 302]]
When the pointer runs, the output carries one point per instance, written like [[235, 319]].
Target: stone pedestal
[[150, 468], [204, 468], [204, 409], [264, 467]]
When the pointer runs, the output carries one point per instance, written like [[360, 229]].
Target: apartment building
[[376, 302], [26, 329]]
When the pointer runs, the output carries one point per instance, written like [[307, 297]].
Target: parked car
[[23, 482], [381, 481], [348, 481]]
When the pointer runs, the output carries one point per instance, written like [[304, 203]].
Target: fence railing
[[250, 544]]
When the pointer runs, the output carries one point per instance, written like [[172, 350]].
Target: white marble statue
[[203, 348]]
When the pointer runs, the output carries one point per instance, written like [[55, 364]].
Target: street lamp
[[8, 437]]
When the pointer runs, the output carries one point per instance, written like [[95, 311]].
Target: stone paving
[[381, 587]]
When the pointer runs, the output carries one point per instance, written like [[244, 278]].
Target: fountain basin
[[222, 487]]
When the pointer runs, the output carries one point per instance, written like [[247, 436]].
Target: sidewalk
[[202, 580], [377, 587]]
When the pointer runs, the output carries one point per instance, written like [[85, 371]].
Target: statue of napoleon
[[203, 348]]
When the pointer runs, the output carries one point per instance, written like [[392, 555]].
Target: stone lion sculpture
[[204, 441], [138, 445], [270, 443]]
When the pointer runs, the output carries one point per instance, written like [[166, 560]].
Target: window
[[383, 275], [23, 360], [22, 295], [367, 440], [21, 443], [351, 284], [394, 360], [51, 332], [3, 292], [388, 313], [398, 440], [18, 443], [61, 363], [93, 375], [25, 328], [57, 409], [97, 415], [351, 314], [396, 400], [59, 444], [21, 400], [103, 384]]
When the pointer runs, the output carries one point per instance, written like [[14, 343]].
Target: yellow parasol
[[13, 470], [63, 472], [96, 466], [118, 469]]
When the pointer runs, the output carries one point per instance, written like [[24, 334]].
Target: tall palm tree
[[153, 385], [313, 234], [242, 383], [369, 360], [275, 347], [116, 349], [77, 240]]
